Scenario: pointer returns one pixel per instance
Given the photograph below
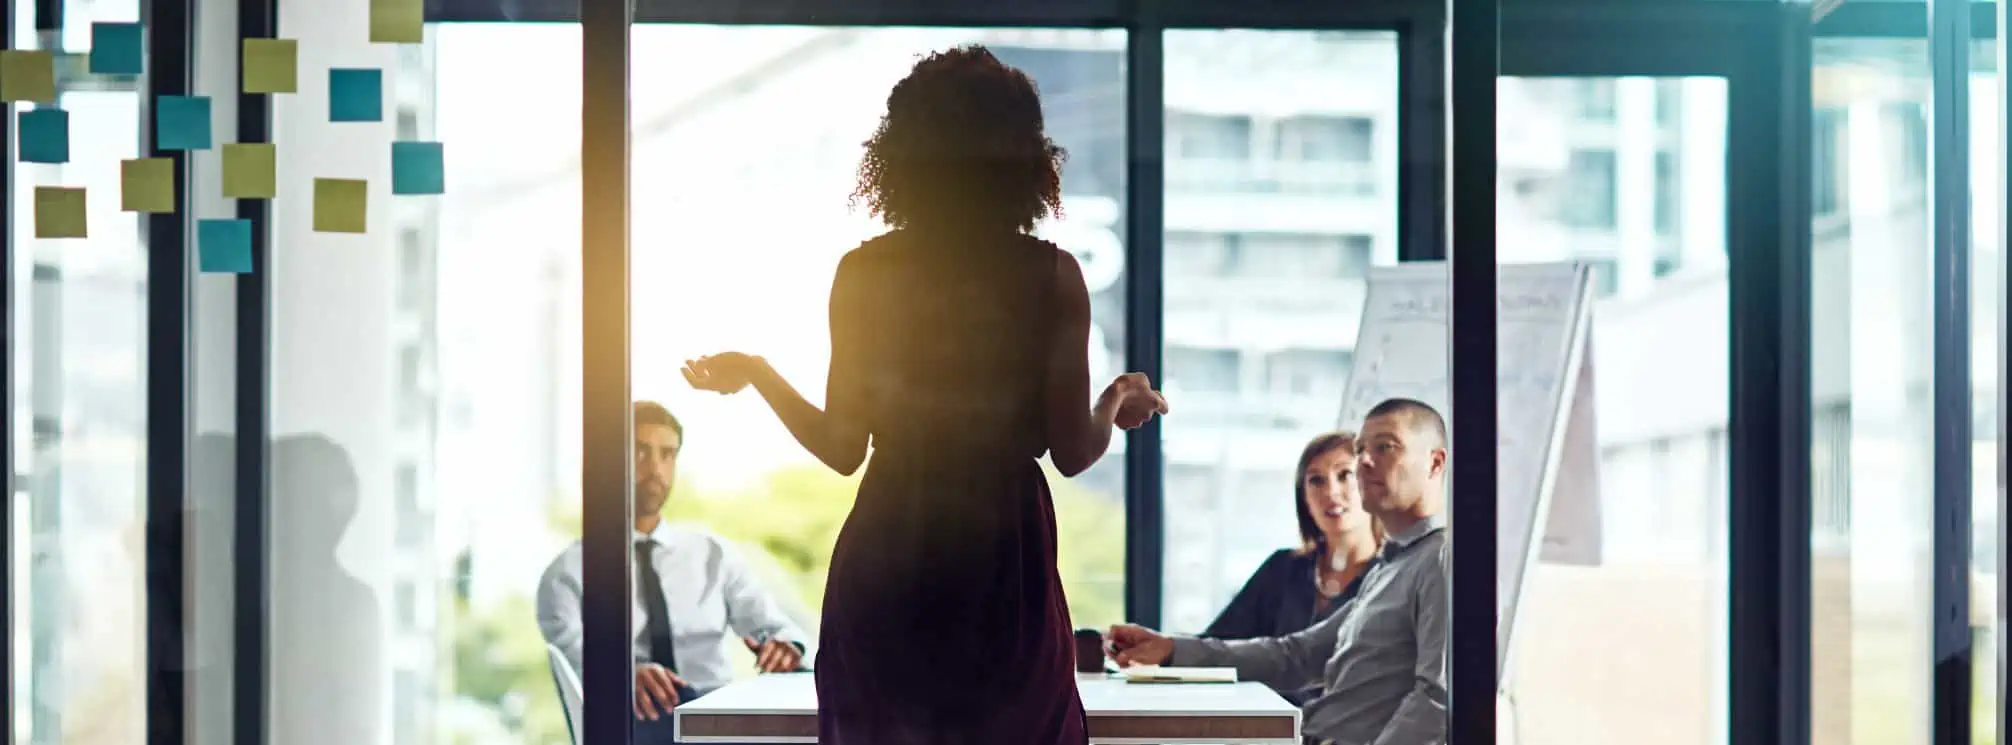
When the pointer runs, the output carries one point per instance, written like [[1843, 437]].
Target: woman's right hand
[[727, 372], [1135, 399]]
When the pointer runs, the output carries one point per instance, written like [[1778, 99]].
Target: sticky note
[[355, 95], [59, 212], [224, 246], [250, 170], [397, 21], [339, 205], [117, 49], [147, 185], [45, 136], [27, 75], [182, 122], [271, 66], [417, 168]]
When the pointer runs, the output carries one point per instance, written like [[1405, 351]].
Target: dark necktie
[[657, 618]]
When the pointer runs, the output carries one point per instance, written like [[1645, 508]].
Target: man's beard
[[650, 500]]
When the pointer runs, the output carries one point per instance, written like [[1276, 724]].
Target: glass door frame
[[1949, 38], [1761, 50], [164, 483]]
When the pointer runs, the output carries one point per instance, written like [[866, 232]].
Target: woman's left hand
[[727, 372]]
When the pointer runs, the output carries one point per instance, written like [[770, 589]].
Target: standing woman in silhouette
[[959, 345]]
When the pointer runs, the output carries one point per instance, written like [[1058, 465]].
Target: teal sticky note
[[418, 168], [224, 246], [45, 136], [182, 122], [355, 95], [117, 49]]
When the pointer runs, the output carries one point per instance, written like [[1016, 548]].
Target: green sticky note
[[250, 170], [397, 21], [27, 75], [271, 66], [147, 185], [59, 212], [340, 205]]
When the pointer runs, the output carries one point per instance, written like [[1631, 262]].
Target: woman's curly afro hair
[[962, 144]]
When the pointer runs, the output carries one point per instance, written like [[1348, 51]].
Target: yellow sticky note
[[59, 212], [397, 21], [271, 66], [27, 75], [340, 205], [250, 171], [147, 185]]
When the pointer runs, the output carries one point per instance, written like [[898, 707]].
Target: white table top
[[783, 709]]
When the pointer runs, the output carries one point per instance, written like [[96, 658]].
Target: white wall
[[332, 372]]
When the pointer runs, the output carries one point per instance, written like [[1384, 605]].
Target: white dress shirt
[[714, 600]]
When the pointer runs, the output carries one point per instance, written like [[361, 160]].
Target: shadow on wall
[[327, 666]]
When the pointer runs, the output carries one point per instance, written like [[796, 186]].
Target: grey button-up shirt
[[1380, 659]]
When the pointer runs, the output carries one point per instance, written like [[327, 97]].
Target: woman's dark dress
[[1280, 599], [944, 620]]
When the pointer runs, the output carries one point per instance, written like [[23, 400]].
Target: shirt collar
[[662, 534], [1403, 539]]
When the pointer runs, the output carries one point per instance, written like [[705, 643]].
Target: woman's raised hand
[[1137, 401], [726, 372]]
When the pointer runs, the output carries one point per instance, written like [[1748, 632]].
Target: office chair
[[568, 683]]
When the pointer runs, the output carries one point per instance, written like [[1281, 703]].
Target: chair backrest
[[568, 683]]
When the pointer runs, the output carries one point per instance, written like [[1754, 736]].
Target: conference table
[[783, 709]]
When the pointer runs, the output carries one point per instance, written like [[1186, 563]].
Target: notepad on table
[[1157, 674]]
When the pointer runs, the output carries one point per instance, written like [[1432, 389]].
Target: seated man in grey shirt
[[1381, 659]]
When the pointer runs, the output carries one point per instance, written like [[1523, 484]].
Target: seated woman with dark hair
[[1298, 587]]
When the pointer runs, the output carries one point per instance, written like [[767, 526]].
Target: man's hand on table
[[656, 690], [1131, 645], [775, 655]]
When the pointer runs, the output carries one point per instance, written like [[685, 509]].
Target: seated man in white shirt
[[694, 595]]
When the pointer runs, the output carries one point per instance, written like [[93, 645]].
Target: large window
[[742, 217], [1265, 284], [1580, 670], [426, 372], [1872, 365], [1872, 296], [78, 496]]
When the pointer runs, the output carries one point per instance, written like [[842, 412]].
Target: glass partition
[[1626, 175], [78, 331]]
